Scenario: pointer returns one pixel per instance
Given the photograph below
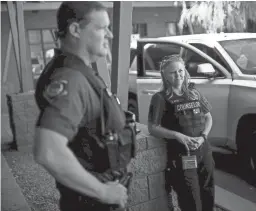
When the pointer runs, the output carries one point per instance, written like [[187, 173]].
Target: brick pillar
[[23, 113], [148, 186]]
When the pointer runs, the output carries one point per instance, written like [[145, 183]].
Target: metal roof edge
[[30, 6]]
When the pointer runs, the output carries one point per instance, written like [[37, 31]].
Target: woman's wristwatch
[[204, 136]]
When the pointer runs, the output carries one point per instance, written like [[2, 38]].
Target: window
[[140, 28], [171, 29], [42, 43], [153, 54], [133, 59], [212, 53], [133, 66], [251, 26], [185, 30], [242, 51], [192, 60]]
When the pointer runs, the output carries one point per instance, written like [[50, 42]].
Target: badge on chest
[[193, 106]]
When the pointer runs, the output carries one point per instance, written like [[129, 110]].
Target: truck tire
[[253, 155], [133, 107], [246, 147]]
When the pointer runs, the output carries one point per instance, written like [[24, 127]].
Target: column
[[122, 28]]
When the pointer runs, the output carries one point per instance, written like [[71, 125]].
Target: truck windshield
[[243, 52]]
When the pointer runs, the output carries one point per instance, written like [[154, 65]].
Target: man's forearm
[[66, 169]]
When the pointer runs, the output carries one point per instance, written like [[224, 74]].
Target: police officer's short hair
[[74, 11]]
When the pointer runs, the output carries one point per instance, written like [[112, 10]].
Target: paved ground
[[235, 185], [10, 190], [230, 190], [227, 176]]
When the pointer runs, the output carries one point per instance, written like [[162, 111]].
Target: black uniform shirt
[[66, 99]]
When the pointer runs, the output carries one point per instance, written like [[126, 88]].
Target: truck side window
[[212, 53], [133, 54], [192, 60], [133, 66], [153, 55]]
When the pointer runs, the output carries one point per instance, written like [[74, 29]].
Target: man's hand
[[114, 193]]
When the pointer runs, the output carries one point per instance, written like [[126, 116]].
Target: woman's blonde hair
[[164, 64]]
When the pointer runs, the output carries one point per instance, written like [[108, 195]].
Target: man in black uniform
[[68, 140]]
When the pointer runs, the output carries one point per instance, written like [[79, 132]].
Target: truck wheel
[[133, 107], [253, 155], [246, 148]]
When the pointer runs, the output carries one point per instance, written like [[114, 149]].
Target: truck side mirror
[[206, 69]]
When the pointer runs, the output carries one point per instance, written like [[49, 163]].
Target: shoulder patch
[[56, 88]]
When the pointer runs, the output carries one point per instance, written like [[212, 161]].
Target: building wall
[[155, 18], [32, 20], [40, 19], [12, 83]]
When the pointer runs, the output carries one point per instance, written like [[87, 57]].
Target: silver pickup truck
[[223, 67]]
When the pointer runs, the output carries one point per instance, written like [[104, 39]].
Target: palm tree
[[217, 16]]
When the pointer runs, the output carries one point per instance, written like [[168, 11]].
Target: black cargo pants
[[72, 201], [194, 187], [77, 205]]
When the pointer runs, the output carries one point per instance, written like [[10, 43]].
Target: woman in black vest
[[180, 114]]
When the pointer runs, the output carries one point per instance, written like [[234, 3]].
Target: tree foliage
[[218, 16]]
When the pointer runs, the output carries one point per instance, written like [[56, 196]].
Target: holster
[[120, 149], [122, 176]]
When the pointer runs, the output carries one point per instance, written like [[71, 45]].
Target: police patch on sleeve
[[56, 88]]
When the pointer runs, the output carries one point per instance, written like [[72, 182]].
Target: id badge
[[189, 162]]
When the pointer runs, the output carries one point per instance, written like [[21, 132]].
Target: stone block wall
[[148, 186], [23, 113]]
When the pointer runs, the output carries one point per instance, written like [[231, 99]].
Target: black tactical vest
[[184, 115]]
